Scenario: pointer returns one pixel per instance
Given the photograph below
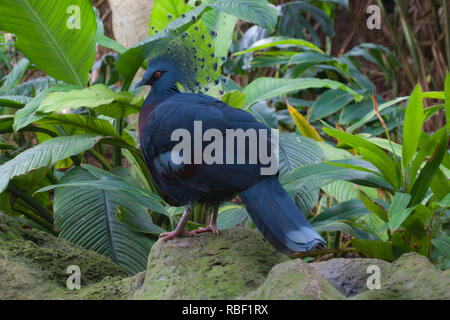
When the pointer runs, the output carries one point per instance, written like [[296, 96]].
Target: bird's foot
[[210, 227], [173, 234]]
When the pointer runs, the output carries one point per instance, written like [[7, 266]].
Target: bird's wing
[[180, 112]]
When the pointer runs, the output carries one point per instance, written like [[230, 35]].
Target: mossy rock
[[411, 277], [207, 266], [295, 280], [111, 288], [19, 281], [349, 276], [37, 262]]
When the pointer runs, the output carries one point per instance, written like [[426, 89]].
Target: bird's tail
[[278, 218]]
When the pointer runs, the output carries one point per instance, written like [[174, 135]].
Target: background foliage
[[364, 141]]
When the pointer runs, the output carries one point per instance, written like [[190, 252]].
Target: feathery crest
[[192, 51]]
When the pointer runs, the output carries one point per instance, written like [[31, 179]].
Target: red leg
[[179, 230], [212, 224]]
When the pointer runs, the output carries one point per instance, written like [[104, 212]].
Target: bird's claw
[[173, 234], [210, 227]]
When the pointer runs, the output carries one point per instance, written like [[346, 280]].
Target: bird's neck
[[154, 98]]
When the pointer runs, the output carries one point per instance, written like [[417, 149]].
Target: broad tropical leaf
[[27, 114], [303, 125], [330, 102], [88, 217], [231, 215], [78, 124], [14, 77], [279, 42], [16, 102], [99, 96], [341, 212], [45, 154], [296, 152], [266, 88], [57, 36], [333, 171], [412, 128]]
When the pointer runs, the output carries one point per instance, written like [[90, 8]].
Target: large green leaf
[[140, 195], [15, 102], [330, 172], [300, 16], [329, 102], [296, 152], [27, 114], [32, 87], [164, 11], [412, 127], [48, 34], [88, 217], [378, 249], [423, 182], [341, 190], [442, 243], [79, 124], [372, 114], [341, 212], [371, 152], [14, 77], [224, 24], [45, 154], [279, 42], [99, 96], [266, 88], [398, 211], [259, 12], [231, 215]]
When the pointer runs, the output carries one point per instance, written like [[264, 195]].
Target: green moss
[[52, 255], [18, 281], [209, 267], [412, 276], [295, 280], [111, 288]]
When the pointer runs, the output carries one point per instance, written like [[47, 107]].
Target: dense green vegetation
[[371, 180]]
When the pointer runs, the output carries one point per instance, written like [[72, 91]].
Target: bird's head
[[185, 59], [162, 75]]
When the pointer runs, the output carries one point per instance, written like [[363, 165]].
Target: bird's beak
[[139, 84]]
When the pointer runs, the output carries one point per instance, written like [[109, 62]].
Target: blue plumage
[[166, 109]]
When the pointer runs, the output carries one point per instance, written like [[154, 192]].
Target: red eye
[[157, 74]]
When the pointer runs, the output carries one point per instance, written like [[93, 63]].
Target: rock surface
[[295, 280], [33, 264], [411, 277], [349, 276], [206, 266], [237, 264]]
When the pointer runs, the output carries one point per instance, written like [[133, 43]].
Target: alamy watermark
[[374, 20], [74, 21], [240, 147], [73, 282], [374, 280]]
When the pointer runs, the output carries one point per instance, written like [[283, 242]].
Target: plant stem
[[398, 46], [51, 177], [117, 152], [45, 215], [101, 159], [446, 5], [36, 219], [421, 64], [431, 234]]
